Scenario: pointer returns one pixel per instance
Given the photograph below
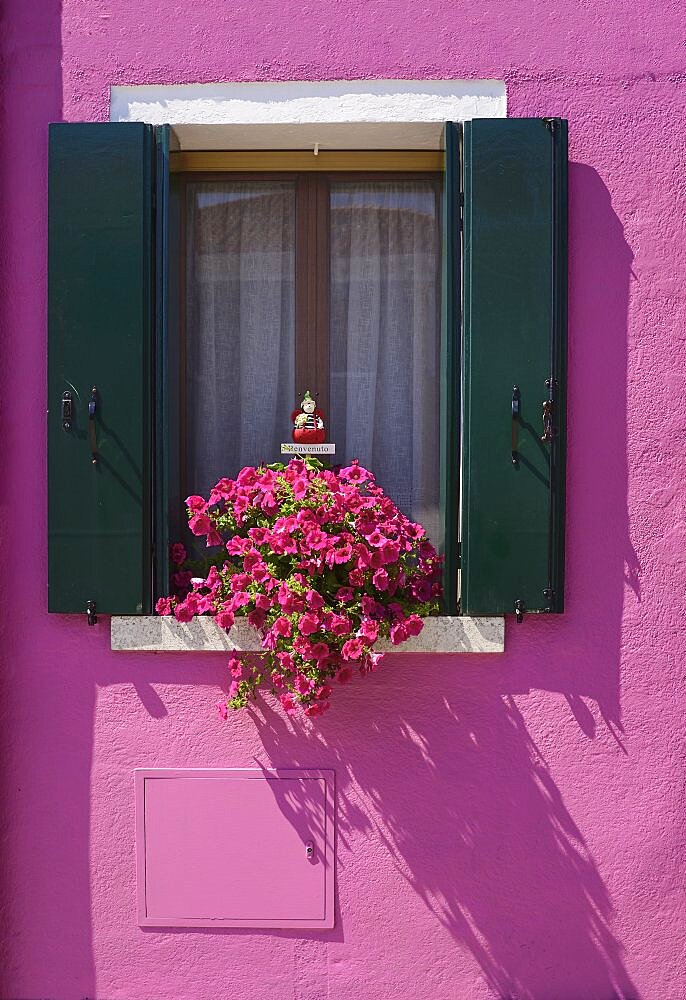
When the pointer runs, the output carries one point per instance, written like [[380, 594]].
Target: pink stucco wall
[[516, 828]]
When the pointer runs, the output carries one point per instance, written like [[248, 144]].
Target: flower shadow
[[454, 792]]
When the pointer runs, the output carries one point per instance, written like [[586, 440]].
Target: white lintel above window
[[302, 114]]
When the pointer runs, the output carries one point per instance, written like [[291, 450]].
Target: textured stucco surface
[[514, 826]]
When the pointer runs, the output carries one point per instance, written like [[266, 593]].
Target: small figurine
[[308, 422]]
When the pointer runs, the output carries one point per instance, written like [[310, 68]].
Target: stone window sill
[[163, 634]]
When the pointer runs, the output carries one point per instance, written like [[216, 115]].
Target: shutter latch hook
[[91, 616], [516, 397], [548, 407], [92, 435]]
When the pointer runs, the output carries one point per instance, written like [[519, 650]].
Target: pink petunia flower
[[200, 524], [183, 613], [369, 630], [269, 503], [308, 624], [165, 606], [390, 552], [288, 703], [314, 600], [303, 647], [339, 624], [320, 650], [399, 633], [223, 710], [266, 479], [224, 618], [355, 473], [251, 560], [282, 626], [286, 661], [240, 599], [377, 539], [237, 546], [257, 618], [260, 574], [198, 505], [299, 486], [316, 539], [247, 477], [413, 625], [352, 649], [302, 684]]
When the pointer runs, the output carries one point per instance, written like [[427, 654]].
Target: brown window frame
[[312, 269]]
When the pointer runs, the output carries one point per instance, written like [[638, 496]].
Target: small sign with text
[[290, 448]]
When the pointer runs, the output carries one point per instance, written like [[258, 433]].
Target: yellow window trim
[[299, 159]]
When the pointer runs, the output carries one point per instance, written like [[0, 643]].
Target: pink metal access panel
[[235, 847]]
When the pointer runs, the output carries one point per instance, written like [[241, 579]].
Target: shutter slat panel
[[162, 366], [100, 310], [514, 336], [450, 366]]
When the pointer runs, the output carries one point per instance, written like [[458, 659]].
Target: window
[[322, 282], [428, 310]]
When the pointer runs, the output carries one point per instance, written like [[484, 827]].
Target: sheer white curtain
[[240, 325], [385, 337]]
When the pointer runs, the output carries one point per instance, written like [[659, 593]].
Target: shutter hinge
[[519, 611], [549, 594], [91, 616], [550, 124]]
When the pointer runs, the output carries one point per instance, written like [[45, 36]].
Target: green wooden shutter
[[450, 365], [161, 435], [514, 348], [100, 334]]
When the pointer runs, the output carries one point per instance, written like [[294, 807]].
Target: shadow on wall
[[451, 782], [467, 810], [580, 656]]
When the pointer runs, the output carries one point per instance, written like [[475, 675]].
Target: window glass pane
[[240, 325], [385, 337]]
